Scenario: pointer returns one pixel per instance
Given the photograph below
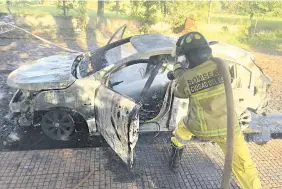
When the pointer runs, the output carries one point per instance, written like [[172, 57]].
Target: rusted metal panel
[[118, 121]]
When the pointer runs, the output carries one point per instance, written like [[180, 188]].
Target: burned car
[[121, 89]]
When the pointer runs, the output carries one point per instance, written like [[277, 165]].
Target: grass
[[268, 34], [51, 9], [268, 23], [270, 40], [265, 39], [225, 37]]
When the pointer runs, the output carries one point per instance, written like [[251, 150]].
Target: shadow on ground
[[32, 138], [151, 170]]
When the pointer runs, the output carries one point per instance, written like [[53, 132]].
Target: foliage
[[251, 8], [276, 9], [162, 16], [178, 11], [16, 4], [82, 10], [244, 28], [150, 15], [81, 7], [267, 39], [118, 7], [65, 6], [258, 8], [147, 13]]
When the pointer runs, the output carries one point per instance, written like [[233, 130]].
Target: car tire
[[58, 124]]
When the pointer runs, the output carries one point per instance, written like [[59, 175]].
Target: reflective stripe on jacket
[[207, 116]]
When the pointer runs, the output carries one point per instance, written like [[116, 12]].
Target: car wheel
[[245, 119], [58, 124]]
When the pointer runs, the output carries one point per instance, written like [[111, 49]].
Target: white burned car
[[121, 89]]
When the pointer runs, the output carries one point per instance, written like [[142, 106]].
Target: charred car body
[[120, 86]]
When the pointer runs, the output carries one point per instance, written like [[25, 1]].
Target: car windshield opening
[[120, 52]]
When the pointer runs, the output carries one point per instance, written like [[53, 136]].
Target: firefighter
[[199, 79]]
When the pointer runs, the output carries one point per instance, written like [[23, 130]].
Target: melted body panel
[[78, 97], [152, 43], [118, 121], [52, 72]]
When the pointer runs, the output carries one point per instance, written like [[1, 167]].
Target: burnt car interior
[[89, 63], [131, 78], [242, 81]]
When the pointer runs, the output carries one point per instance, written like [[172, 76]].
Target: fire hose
[[227, 170]]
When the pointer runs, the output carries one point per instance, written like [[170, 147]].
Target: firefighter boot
[[175, 157]]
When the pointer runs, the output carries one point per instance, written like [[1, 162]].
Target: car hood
[[53, 72]]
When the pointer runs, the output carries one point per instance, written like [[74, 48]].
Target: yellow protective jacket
[[204, 86]]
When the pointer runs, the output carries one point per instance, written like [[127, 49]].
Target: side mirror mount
[[170, 75]]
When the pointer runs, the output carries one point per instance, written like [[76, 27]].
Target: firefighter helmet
[[189, 42]]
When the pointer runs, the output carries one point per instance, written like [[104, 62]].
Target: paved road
[[65, 168]]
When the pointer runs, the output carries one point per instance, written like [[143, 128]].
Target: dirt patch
[[6, 94], [270, 62]]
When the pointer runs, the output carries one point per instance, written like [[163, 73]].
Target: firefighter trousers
[[243, 166]]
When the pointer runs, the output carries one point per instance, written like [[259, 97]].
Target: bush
[[161, 27], [266, 39], [179, 11], [277, 12], [147, 13], [82, 10], [244, 28]]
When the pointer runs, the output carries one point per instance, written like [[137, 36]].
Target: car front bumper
[[21, 108]]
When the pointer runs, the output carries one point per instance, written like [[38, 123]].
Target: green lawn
[[263, 24], [216, 18], [32, 9], [53, 10], [271, 38]]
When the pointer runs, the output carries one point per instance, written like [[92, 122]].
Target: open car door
[[117, 118], [118, 34]]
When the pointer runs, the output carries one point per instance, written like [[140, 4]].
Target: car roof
[[152, 43]]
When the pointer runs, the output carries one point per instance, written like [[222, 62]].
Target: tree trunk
[[64, 7], [209, 13], [100, 14], [100, 11], [164, 8], [117, 7], [8, 6], [251, 16], [255, 26]]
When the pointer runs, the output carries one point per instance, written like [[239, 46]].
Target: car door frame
[[120, 29], [119, 106], [168, 99]]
